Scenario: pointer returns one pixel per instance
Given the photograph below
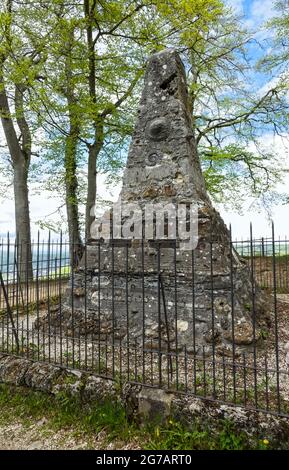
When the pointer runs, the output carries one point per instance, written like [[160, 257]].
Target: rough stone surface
[[254, 423], [41, 377], [153, 403], [141, 403], [163, 166], [13, 370], [53, 379]]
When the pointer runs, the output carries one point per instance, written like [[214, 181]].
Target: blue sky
[[255, 13]]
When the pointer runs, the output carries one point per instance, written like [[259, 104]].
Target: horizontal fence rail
[[123, 319], [263, 261]]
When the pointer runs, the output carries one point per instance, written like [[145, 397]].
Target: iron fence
[[125, 321]]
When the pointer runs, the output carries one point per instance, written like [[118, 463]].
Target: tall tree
[[109, 27], [19, 141], [230, 113], [116, 42], [70, 159], [91, 58], [276, 58]]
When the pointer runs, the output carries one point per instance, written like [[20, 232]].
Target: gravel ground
[[19, 436], [36, 435]]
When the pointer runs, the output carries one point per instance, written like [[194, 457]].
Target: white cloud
[[279, 79], [43, 203], [262, 10], [255, 14], [278, 143], [236, 5], [261, 223]]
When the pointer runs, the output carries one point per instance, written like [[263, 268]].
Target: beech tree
[[107, 55], [72, 73], [18, 69], [230, 116]]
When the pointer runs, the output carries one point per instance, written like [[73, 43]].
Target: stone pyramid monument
[[154, 290]]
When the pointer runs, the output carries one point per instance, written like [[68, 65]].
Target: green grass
[[62, 273], [62, 412], [176, 437]]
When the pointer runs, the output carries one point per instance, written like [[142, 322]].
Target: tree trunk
[[22, 221], [97, 123], [20, 162], [70, 158], [71, 185], [98, 118], [93, 153]]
